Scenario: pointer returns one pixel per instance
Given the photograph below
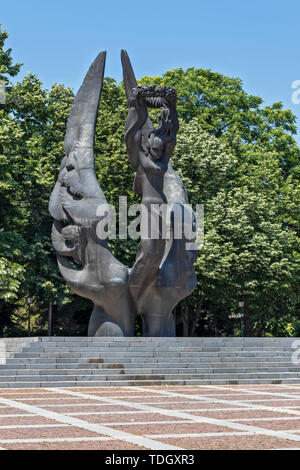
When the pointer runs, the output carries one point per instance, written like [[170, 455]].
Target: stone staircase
[[83, 361], [10, 346]]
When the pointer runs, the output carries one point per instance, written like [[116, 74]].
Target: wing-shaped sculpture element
[[163, 273], [78, 205], [77, 180], [130, 83]]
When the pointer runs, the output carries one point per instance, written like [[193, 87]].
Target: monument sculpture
[[163, 272]]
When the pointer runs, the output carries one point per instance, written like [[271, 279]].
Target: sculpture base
[[153, 325]]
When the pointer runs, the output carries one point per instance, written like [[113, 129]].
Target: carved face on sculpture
[[164, 137], [155, 146]]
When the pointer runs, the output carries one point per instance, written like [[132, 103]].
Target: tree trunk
[[194, 323], [247, 331], [50, 318], [185, 320]]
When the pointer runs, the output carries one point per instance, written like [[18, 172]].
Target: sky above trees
[[256, 41]]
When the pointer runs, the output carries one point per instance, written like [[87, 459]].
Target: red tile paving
[[239, 397], [99, 445], [50, 401], [158, 399], [228, 395], [193, 404], [11, 411], [146, 398], [232, 443], [241, 414], [96, 406], [127, 418], [268, 401], [173, 428], [39, 433], [279, 425], [127, 394], [26, 420], [35, 395]]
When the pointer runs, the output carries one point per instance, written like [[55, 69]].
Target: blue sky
[[257, 41]]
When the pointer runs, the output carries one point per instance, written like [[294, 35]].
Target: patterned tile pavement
[[217, 417]]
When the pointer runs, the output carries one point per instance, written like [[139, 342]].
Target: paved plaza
[[156, 418]]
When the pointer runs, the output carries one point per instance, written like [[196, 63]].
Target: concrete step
[[164, 340], [247, 366], [130, 371], [118, 383], [149, 365], [143, 360], [167, 342], [149, 353], [143, 351], [148, 383], [151, 376], [118, 341]]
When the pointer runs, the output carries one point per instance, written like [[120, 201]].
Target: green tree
[[247, 253], [226, 111], [32, 126]]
